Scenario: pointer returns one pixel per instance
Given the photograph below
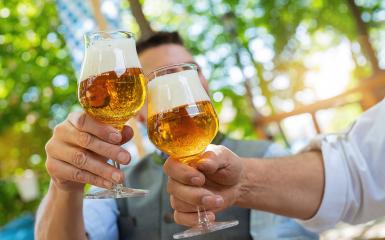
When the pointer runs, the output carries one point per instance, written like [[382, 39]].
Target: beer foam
[[109, 55], [174, 90]]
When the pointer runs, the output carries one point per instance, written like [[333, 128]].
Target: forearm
[[60, 215], [291, 186]]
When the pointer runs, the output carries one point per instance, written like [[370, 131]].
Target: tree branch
[[144, 24], [363, 35]]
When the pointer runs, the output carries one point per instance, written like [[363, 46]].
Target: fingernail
[[211, 216], [206, 200], [196, 181], [219, 201], [123, 157], [116, 177], [115, 137], [107, 184]]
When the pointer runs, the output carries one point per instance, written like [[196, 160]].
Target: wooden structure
[[367, 94]]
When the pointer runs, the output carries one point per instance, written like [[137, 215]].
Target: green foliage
[[281, 26], [37, 89], [242, 56]]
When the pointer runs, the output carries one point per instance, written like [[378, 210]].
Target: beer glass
[[112, 88], [182, 123]]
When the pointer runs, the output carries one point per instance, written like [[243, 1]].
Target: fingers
[[221, 165], [210, 203], [194, 195], [183, 173], [88, 141], [213, 159], [61, 170], [191, 219], [127, 134], [84, 123], [182, 206], [91, 162]]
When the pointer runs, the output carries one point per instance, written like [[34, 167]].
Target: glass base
[[122, 192], [201, 229]]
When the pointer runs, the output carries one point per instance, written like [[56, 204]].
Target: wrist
[[243, 186], [65, 192], [251, 185]]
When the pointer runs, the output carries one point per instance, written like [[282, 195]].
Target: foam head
[[173, 90], [105, 55]]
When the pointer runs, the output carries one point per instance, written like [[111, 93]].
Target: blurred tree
[[272, 39], [137, 12], [257, 62], [37, 89]]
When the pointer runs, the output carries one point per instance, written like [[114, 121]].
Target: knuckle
[[85, 139], [50, 166], [71, 115], [224, 151], [80, 159], [58, 129], [209, 154], [177, 217], [166, 167], [172, 202], [78, 176], [169, 186], [48, 147], [95, 180], [81, 120]]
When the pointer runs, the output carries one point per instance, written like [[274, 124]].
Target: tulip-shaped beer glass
[[112, 88], [182, 123]]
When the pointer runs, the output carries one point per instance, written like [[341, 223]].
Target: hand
[[213, 183], [78, 151]]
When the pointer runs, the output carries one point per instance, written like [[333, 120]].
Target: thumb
[[127, 134], [213, 159]]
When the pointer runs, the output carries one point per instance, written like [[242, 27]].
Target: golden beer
[[184, 131], [111, 89], [113, 99], [182, 123], [181, 119]]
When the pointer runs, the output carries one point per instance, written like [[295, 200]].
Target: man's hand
[[213, 183], [78, 151]]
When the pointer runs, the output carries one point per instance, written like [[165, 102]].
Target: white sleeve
[[100, 219], [354, 173]]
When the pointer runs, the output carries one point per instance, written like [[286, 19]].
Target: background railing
[[369, 92]]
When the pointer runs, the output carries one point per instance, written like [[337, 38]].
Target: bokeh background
[[278, 69]]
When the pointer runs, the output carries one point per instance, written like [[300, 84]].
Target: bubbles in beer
[[113, 99], [173, 90], [182, 120], [112, 86]]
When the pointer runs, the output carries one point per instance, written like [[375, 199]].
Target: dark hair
[[157, 39]]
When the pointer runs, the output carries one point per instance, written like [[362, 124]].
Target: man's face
[[163, 55]]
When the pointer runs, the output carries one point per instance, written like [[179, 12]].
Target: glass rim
[[164, 69], [112, 34]]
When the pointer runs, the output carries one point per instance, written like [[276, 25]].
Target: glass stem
[[202, 217], [117, 187]]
